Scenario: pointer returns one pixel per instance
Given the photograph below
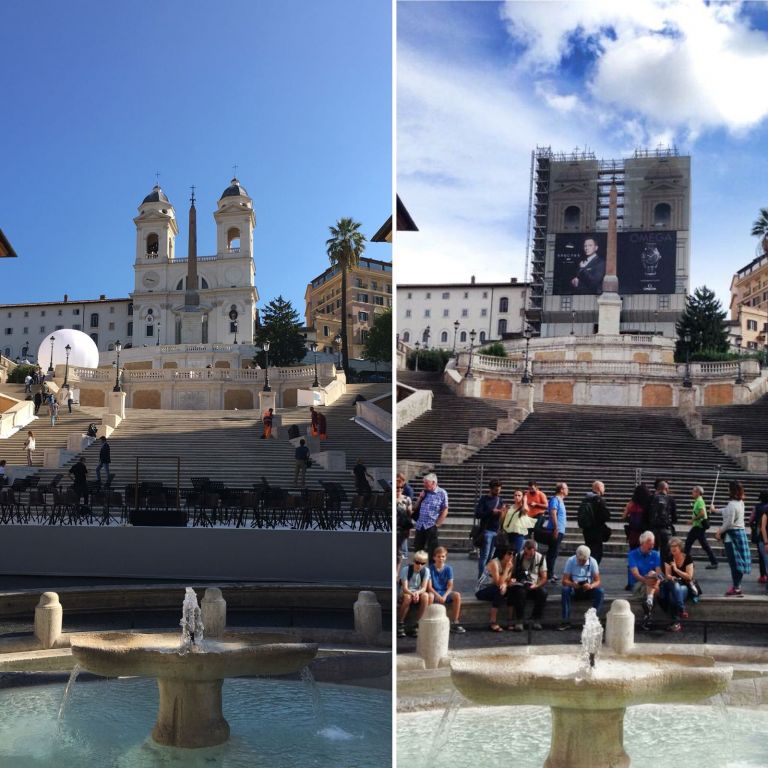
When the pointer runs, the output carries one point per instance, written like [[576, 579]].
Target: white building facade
[[429, 313]]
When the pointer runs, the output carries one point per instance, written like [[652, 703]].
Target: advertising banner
[[645, 262]]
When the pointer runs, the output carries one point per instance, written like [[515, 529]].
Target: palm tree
[[344, 249], [760, 228]]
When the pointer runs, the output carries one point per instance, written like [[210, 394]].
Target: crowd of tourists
[[508, 533]]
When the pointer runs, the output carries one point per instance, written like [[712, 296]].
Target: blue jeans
[[674, 594], [516, 541], [551, 555], [485, 551], [736, 574], [597, 594], [98, 470]]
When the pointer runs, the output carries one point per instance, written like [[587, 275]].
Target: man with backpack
[[592, 517], [662, 515]]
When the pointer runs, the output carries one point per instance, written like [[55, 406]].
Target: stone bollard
[[214, 612], [48, 620], [367, 616], [434, 630], [620, 627]]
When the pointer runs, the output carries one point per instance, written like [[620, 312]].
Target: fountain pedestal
[[587, 739], [189, 714]]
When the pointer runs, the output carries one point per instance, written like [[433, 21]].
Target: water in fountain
[[591, 640], [191, 623], [68, 692], [440, 739], [331, 732]]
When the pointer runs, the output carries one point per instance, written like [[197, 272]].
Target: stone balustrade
[[324, 371]]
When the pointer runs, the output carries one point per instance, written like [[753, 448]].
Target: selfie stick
[[716, 479]]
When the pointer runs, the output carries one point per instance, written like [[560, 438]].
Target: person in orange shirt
[[266, 420], [536, 499]]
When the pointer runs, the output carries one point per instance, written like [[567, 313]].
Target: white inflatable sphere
[[83, 353]]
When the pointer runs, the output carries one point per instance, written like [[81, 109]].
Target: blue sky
[[481, 84], [98, 97]]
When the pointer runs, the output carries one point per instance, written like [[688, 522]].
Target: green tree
[[760, 228], [429, 359], [494, 350], [704, 320], [344, 248], [378, 346], [18, 374], [281, 327]]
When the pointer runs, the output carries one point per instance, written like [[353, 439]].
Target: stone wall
[[146, 398], [657, 395], [558, 392], [240, 399], [718, 394], [92, 397], [497, 389]]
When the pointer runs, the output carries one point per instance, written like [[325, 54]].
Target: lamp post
[[50, 365], [687, 383], [456, 325], [469, 374], [739, 378], [417, 345], [526, 379], [337, 342], [427, 334], [656, 322], [313, 347], [158, 334], [67, 349], [116, 388], [265, 347], [573, 322], [235, 331]]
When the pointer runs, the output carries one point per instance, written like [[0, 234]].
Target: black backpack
[[586, 514], [659, 513]]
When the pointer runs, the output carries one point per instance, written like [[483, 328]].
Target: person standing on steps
[[80, 474], [266, 421], [557, 524], [489, 510], [29, 446], [319, 426], [362, 476], [70, 398], [105, 459], [661, 517], [432, 506], [734, 537], [301, 461], [38, 401], [53, 407], [593, 517], [697, 531]]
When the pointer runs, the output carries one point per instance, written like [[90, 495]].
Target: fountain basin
[[189, 681]]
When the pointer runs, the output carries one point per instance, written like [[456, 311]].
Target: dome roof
[[234, 189], [156, 196]]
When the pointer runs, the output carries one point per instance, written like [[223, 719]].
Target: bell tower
[[235, 221], [156, 229]]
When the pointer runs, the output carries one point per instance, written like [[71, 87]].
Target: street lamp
[[158, 333], [526, 379], [468, 374], [265, 347], [739, 378], [417, 345], [337, 342], [235, 331], [67, 349], [687, 383], [427, 333], [118, 347], [313, 347], [50, 365], [573, 321], [456, 325]]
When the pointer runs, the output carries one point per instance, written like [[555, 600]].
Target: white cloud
[[682, 65]]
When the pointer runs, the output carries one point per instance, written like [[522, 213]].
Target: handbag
[[477, 535], [704, 523], [542, 535], [605, 534], [694, 588]]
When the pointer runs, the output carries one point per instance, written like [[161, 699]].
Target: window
[[751, 325], [566, 303], [326, 331], [130, 310], [485, 294], [8, 331], [463, 336], [153, 244], [446, 313], [427, 313], [502, 326], [94, 320], [406, 336], [465, 313], [378, 300], [446, 295], [482, 336], [362, 317], [10, 315], [25, 330], [663, 302], [407, 312], [150, 330], [95, 337], [572, 216], [60, 313], [362, 298], [26, 314], [130, 327], [364, 336], [111, 326], [751, 345], [425, 337], [483, 313], [662, 215], [59, 327], [444, 337], [429, 294], [374, 285], [42, 329], [503, 304], [42, 314], [466, 294], [76, 326], [358, 283], [111, 310], [410, 295]]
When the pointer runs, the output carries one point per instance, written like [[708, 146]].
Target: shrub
[[494, 350]]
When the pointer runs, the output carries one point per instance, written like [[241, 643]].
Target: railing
[[184, 260]]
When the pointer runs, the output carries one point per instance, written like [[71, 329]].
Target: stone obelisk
[[609, 302], [192, 315]]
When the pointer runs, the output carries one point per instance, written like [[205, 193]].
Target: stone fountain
[[589, 693], [190, 671]]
